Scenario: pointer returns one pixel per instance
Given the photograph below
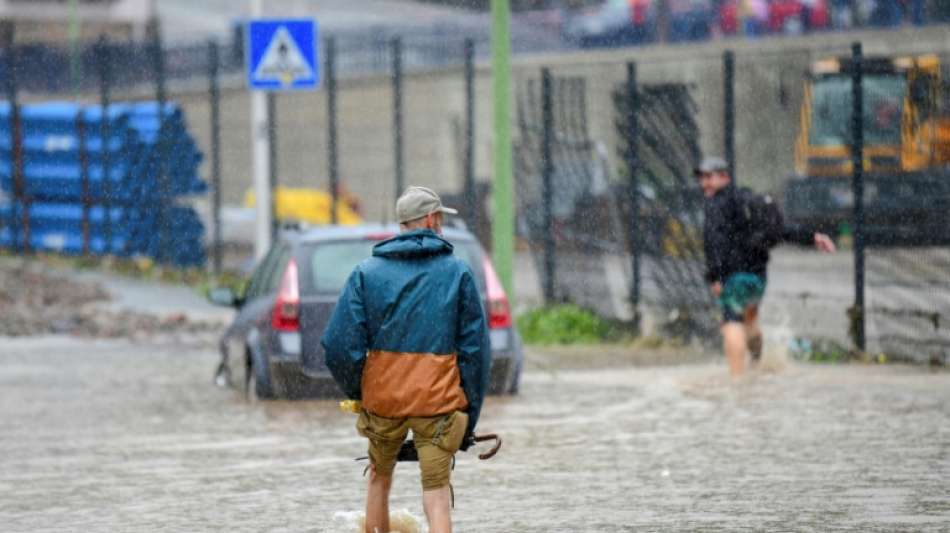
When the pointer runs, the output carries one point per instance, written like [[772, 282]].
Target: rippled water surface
[[99, 436]]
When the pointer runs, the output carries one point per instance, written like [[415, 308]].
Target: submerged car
[[272, 348]]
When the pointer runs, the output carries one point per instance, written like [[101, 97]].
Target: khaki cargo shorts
[[436, 438]]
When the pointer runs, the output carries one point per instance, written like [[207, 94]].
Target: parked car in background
[[272, 348], [612, 23]]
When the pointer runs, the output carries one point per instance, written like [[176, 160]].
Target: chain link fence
[[390, 114], [604, 152], [614, 218]]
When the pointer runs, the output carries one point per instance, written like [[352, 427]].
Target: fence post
[[472, 210], [164, 192], [397, 115], [663, 21], [272, 161], [19, 192], [84, 178], [547, 187], [9, 222], [104, 53], [729, 111], [857, 161], [331, 128], [632, 136], [215, 93]]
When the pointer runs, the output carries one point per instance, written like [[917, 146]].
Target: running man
[[735, 266]]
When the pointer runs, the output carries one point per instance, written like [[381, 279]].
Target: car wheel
[[515, 382], [256, 387]]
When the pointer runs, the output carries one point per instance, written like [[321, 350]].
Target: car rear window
[[330, 263]]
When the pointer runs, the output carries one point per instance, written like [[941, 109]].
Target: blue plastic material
[[139, 187]]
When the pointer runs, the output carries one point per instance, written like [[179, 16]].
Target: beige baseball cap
[[418, 202]]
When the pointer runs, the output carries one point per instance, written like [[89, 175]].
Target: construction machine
[[906, 131]]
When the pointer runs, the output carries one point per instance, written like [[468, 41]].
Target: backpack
[[762, 219]]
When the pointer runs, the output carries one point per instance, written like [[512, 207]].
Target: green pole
[[503, 223]]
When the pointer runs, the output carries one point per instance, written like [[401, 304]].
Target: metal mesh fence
[[392, 130], [908, 302], [661, 131], [567, 193], [604, 163], [651, 255], [64, 69], [576, 153]]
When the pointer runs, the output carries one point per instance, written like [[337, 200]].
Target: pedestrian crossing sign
[[282, 54]]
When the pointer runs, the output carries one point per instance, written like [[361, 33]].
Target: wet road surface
[[113, 436]]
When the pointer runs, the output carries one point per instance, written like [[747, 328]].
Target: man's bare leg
[[753, 333], [734, 344], [436, 504], [377, 502]]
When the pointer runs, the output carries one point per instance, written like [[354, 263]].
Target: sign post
[[281, 56]]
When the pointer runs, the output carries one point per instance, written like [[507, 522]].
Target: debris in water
[[400, 521], [774, 358]]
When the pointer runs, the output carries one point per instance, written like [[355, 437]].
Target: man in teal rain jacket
[[408, 338]]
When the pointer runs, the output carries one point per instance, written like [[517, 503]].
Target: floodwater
[[113, 436]]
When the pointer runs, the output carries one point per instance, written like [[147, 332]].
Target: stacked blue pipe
[[130, 199]]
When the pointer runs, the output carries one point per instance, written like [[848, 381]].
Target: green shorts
[[436, 438], [740, 292]]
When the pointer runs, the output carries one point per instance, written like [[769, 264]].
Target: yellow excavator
[[906, 130]]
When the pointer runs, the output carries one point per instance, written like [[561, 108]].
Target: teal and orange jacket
[[408, 336]]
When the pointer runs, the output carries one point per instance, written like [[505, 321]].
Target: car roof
[[358, 231]]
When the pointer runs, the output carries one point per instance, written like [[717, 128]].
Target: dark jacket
[[726, 237], [408, 335]]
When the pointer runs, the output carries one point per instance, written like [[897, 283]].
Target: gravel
[[36, 299]]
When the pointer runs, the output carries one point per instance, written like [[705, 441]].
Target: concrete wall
[[768, 95]]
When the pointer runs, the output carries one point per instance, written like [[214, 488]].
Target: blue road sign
[[282, 54]]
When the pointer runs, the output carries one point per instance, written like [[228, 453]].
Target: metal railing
[[40, 67]]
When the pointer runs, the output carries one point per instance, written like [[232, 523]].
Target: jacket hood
[[415, 244]]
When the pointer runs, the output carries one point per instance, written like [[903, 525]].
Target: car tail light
[[499, 313], [286, 313]]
